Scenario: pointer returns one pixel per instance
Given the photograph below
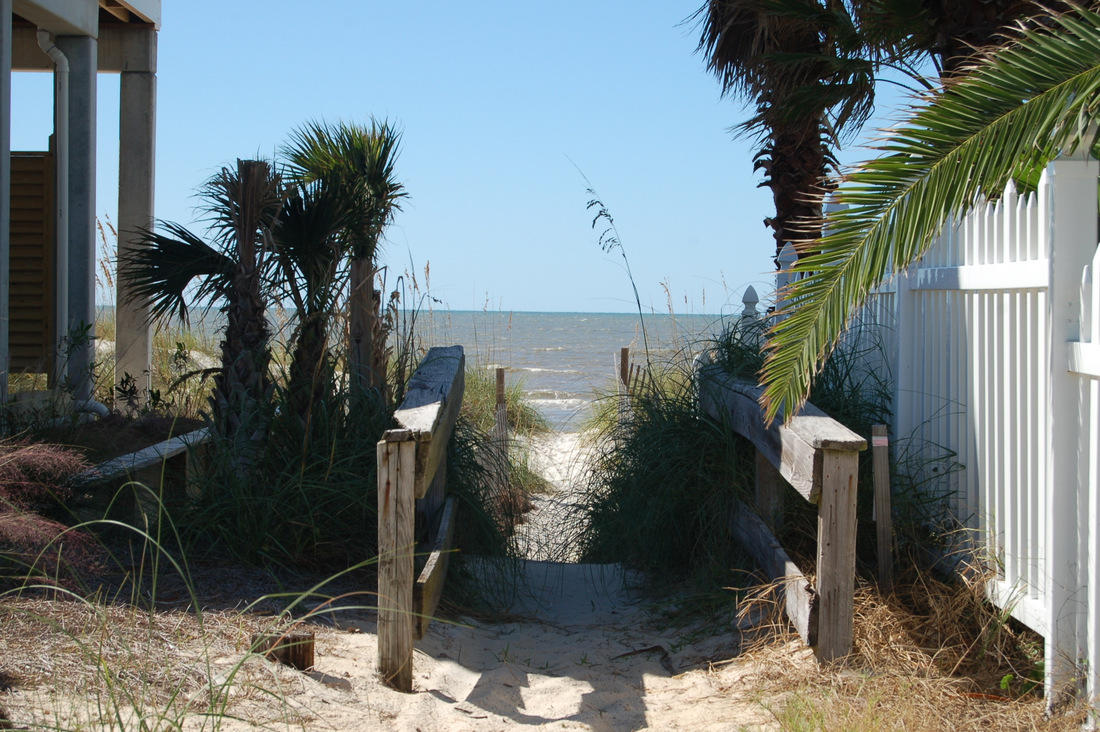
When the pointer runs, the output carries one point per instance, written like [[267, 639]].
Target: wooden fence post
[[1070, 242], [412, 462], [624, 384], [884, 522], [396, 476], [501, 415], [836, 553]]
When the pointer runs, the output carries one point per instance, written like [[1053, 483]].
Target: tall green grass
[[479, 404], [658, 489]]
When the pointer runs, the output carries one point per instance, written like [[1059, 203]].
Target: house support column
[[136, 152], [5, 188], [80, 342]]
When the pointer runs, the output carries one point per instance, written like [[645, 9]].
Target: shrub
[[312, 497]]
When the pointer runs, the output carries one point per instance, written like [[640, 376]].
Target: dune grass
[[657, 489]]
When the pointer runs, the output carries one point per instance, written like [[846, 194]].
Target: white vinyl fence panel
[[993, 340]]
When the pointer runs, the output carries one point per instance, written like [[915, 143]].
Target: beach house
[[48, 197]]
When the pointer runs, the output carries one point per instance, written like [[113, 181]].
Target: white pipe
[[91, 406], [61, 194]]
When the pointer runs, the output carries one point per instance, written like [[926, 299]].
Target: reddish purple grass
[[33, 473], [35, 547], [31, 546]]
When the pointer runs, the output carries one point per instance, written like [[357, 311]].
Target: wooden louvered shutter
[[33, 241]]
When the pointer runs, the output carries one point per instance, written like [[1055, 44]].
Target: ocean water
[[562, 359]]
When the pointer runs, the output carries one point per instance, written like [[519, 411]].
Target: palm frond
[[1038, 93], [160, 271], [310, 246], [357, 162]]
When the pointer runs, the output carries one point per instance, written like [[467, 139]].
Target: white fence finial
[[787, 257], [749, 300]]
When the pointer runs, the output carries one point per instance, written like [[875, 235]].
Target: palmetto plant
[[1012, 110], [231, 271], [356, 163]]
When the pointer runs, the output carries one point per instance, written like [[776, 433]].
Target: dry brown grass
[[931, 656]]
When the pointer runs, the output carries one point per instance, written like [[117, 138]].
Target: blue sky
[[497, 101]]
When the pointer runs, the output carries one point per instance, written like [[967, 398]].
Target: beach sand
[[580, 653]]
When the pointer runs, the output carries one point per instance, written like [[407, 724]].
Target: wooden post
[[884, 524], [836, 553], [624, 385], [292, 648], [411, 459], [501, 412], [396, 477], [501, 425]]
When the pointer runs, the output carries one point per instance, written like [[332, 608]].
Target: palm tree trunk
[[304, 385], [359, 322], [795, 166], [243, 388], [366, 335]]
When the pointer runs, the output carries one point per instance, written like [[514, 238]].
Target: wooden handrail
[[412, 458], [795, 448], [819, 458], [148, 457], [430, 409]]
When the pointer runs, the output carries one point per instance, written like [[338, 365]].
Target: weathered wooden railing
[[165, 468], [819, 458], [412, 462]]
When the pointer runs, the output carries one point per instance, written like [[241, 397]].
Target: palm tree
[[357, 163], [810, 76], [230, 270], [1013, 109]]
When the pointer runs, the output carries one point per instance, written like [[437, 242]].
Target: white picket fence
[[993, 341]]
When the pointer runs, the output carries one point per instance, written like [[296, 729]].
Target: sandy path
[[582, 653], [560, 459]]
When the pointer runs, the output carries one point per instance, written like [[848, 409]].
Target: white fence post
[[748, 324], [787, 257], [1071, 231]]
